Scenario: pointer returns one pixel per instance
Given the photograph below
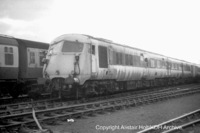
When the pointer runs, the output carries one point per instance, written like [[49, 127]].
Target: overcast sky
[[168, 27]]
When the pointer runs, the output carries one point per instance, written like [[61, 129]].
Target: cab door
[[93, 60], [94, 63], [103, 57]]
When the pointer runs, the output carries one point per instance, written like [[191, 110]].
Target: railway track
[[22, 98], [51, 115], [8, 109], [4, 101], [184, 123]]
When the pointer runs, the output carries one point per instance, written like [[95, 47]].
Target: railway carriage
[[99, 66], [20, 64], [9, 65]]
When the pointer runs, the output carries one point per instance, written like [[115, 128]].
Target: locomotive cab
[[67, 62]]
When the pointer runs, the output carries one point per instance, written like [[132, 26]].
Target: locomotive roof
[[123, 45], [82, 36], [8, 40], [126, 46]]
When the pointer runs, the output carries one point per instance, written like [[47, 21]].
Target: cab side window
[[9, 58], [93, 49]]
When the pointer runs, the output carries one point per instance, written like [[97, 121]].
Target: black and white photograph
[[99, 66]]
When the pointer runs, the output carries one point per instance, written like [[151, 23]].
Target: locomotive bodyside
[[102, 66], [187, 70], [176, 68], [156, 66]]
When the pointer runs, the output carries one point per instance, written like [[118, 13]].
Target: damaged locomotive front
[[66, 66]]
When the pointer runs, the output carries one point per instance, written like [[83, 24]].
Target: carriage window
[[146, 62], [114, 58], [136, 60], [152, 63], [8, 56], [117, 58], [163, 64], [121, 58], [172, 67], [41, 56], [131, 60], [32, 58], [126, 59], [180, 67], [158, 63]]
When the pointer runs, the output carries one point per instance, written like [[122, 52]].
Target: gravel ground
[[132, 119]]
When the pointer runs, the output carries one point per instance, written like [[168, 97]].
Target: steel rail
[[176, 124], [10, 100]]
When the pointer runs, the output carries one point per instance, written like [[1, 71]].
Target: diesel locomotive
[[82, 65], [20, 64]]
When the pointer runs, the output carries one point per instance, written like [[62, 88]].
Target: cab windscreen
[[69, 46]]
